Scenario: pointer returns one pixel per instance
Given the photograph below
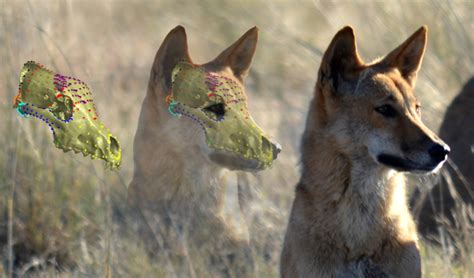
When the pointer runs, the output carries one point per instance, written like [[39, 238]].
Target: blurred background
[[63, 214]]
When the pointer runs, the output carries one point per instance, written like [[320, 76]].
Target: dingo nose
[[439, 152], [275, 147], [276, 150]]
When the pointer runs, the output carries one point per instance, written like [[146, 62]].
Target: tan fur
[[350, 217], [191, 204]]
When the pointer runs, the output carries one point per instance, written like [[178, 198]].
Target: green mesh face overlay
[[65, 104], [218, 104]]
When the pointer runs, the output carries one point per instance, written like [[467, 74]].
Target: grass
[[63, 211]]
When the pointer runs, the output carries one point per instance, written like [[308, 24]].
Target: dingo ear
[[408, 56], [173, 50], [239, 55], [341, 59]]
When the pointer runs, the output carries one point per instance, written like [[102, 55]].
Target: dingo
[[349, 217], [194, 124]]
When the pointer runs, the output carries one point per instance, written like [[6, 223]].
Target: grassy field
[[66, 211]]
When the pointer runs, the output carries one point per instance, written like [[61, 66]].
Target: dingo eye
[[387, 111], [217, 109], [418, 108]]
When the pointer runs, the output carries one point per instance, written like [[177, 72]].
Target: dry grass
[[65, 212]]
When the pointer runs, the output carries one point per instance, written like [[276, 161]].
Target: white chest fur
[[363, 207]]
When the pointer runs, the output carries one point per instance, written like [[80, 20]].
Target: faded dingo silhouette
[[195, 126]]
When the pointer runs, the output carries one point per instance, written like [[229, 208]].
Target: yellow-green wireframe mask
[[65, 104], [218, 104]]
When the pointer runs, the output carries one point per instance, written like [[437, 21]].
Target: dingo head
[[371, 109], [209, 102]]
